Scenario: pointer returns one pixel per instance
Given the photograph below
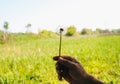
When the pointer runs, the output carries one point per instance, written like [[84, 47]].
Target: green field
[[25, 60]]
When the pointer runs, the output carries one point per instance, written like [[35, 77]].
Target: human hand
[[72, 71]]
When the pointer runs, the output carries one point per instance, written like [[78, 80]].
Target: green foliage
[[99, 30], [28, 60], [116, 31], [103, 31], [71, 31], [6, 25], [106, 31], [5, 40], [1, 32], [86, 31], [47, 34], [2, 41], [1, 37], [28, 25], [5, 35]]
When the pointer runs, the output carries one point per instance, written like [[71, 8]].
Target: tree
[[86, 31], [106, 31], [99, 30], [71, 30], [46, 34], [116, 31], [6, 26], [28, 26]]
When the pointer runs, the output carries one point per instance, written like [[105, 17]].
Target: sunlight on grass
[[30, 61]]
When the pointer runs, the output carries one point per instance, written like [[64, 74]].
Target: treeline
[[99, 31], [69, 31]]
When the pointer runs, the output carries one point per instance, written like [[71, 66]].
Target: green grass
[[26, 60]]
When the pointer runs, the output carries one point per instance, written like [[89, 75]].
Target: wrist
[[91, 80]]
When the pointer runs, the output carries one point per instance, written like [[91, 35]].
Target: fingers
[[56, 58], [67, 63], [59, 70], [64, 66], [62, 71], [70, 58]]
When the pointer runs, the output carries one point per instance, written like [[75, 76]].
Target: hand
[[72, 71]]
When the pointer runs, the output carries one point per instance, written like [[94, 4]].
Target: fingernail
[[60, 58]]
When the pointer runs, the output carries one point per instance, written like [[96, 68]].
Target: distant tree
[[106, 31], [71, 30], [103, 31], [99, 30], [116, 31], [46, 34], [28, 26], [6, 26], [86, 31], [95, 32]]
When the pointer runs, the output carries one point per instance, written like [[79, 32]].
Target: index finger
[[56, 58]]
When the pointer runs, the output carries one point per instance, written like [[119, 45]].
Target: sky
[[53, 14]]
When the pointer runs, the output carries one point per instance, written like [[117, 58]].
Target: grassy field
[[26, 60]]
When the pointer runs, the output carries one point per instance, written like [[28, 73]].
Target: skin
[[73, 72]]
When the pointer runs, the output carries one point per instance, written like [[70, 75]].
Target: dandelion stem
[[60, 41]]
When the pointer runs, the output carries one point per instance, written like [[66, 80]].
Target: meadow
[[28, 60]]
